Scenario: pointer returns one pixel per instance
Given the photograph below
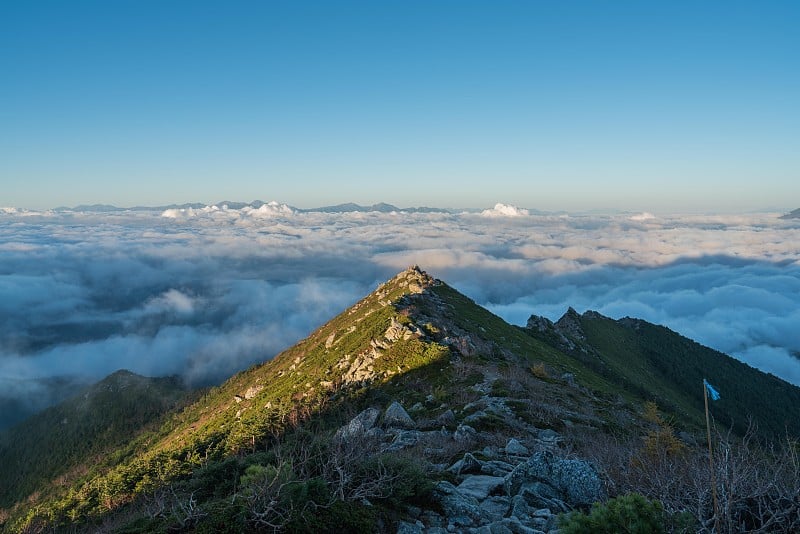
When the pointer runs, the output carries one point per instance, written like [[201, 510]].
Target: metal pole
[[711, 462]]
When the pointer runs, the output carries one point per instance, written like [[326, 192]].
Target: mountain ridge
[[448, 377], [794, 214]]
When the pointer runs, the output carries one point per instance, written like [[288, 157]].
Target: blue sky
[[659, 106]]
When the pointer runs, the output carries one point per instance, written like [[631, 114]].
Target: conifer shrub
[[630, 513]]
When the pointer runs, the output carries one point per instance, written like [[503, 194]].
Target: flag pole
[[711, 461]]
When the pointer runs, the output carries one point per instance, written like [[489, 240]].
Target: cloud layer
[[204, 293]]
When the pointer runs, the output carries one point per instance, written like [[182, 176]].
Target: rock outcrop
[[505, 497]]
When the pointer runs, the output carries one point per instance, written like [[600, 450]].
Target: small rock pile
[[497, 490]]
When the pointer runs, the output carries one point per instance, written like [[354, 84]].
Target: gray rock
[[469, 464], [496, 468], [375, 433], [456, 467], [431, 518], [397, 331], [404, 527], [544, 519], [499, 528], [404, 439], [549, 435], [480, 486], [516, 448], [490, 451], [396, 416], [579, 482], [359, 425], [495, 508], [458, 522], [464, 433], [575, 480], [520, 508], [516, 526], [475, 417], [252, 391], [539, 495], [537, 468], [455, 505]]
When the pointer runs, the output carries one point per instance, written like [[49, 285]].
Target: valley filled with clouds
[[203, 293]]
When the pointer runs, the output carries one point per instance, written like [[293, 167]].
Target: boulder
[[517, 527], [574, 480], [459, 509], [549, 435], [252, 391], [359, 425], [480, 486], [494, 508], [515, 448], [469, 464], [396, 416], [497, 527], [539, 495], [404, 439], [464, 433], [520, 508], [578, 481], [475, 417], [496, 468]]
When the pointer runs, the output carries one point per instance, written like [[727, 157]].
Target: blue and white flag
[[713, 393]]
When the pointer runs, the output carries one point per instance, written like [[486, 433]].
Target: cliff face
[[413, 410]]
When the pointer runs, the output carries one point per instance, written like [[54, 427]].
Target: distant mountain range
[[415, 410], [339, 208]]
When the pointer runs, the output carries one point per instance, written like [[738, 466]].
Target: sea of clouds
[[204, 293]]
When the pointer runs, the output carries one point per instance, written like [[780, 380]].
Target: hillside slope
[[795, 214], [374, 419], [57, 445], [655, 363]]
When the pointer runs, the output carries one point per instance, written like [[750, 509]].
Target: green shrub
[[631, 513], [339, 517]]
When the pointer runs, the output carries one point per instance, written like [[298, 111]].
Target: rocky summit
[[416, 410]]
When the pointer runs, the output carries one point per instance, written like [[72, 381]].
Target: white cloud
[[208, 292], [505, 210], [172, 300], [268, 210], [271, 209]]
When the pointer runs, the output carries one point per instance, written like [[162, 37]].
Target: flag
[[713, 393]]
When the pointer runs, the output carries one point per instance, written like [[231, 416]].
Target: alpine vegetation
[[416, 410]]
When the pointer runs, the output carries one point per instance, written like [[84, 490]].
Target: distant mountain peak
[[570, 324]]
